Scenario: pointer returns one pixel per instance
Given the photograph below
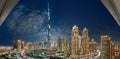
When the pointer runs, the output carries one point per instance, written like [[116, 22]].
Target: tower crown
[[85, 29], [75, 27]]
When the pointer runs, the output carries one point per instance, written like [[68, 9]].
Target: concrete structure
[[5, 8], [113, 7]]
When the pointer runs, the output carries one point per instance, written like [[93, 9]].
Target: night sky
[[28, 20]]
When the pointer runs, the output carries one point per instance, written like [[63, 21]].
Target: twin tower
[[80, 44]]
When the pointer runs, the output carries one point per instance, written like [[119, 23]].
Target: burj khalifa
[[48, 33]]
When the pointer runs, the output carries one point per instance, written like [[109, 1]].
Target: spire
[[85, 29], [48, 34], [48, 11], [75, 27]]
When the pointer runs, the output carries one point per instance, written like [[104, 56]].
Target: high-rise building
[[29, 45], [59, 43], [48, 33], [80, 41], [22, 44], [36, 45], [43, 44], [75, 40], [93, 46], [116, 53], [69, 48], [85, 41], [19, 45], [116, 49], [106, 47], [14, 43], [65, 44]]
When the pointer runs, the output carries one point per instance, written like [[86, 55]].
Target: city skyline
[[79, 47], [28, 21], [60, 29]]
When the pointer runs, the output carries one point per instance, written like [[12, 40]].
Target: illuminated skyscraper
[[36, 45], [14, 43], [29, 45], [65, 44], [85, 41], [69, 48], [106, 47], [22, 44], [93, 46], [43, 44], [19, 45], [48, 34], [59, 43], [75, 40]]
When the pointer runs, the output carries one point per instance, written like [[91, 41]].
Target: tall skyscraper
[[59, 43], [106, 47], [85, 41], [69, 48], [19, 45], [22, 44], [14, 43], [65, 44], [36, 45], [29, 45], [75, 40], [48, 34], [93, 46]]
